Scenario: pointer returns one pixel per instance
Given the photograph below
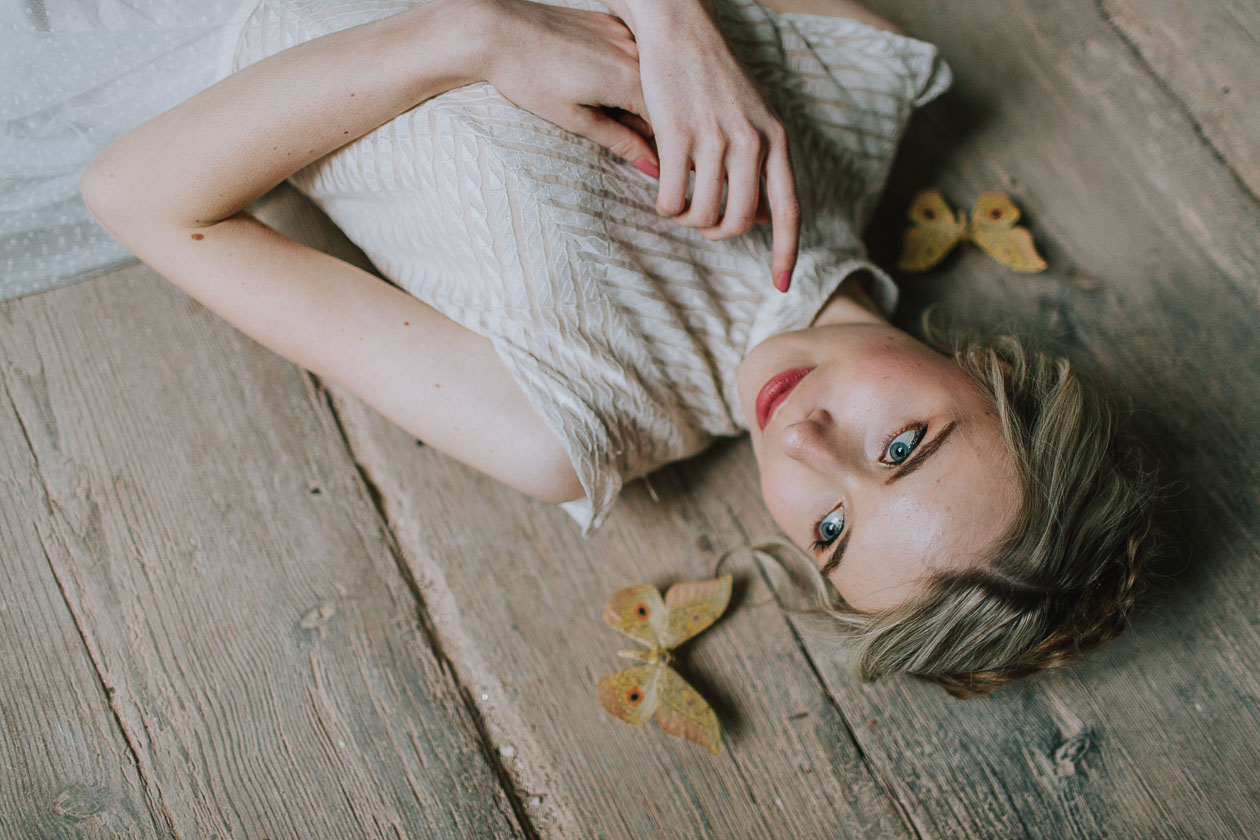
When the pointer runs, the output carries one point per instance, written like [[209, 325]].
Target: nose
[[812, 442]]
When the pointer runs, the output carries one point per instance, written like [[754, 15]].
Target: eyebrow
[[925, 452]]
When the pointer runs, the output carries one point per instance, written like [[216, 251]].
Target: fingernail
[[781, 282], [648, 168]]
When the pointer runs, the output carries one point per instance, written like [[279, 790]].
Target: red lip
[[775, 391]]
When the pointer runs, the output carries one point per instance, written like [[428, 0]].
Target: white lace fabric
[[623, 329], [74, 76]]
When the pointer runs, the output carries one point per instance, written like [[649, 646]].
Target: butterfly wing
[[933, 233], [692, 606], [639, 612], [683, 713], [633, 694], [993, 228]]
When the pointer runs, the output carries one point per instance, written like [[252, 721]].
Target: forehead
[[941, 517]]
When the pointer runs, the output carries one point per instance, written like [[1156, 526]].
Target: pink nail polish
[[781, 282], [648, 168]]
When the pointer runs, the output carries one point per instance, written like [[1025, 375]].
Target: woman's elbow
[[555, 482]]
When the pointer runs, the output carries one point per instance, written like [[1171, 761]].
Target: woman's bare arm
[[173, 191], [208, 157], [211, 156]]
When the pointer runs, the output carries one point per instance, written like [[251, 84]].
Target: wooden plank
[[232, 581], [1208, 57], [516, 595], [65, 770]]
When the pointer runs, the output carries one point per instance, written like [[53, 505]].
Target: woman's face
[[884, 462]]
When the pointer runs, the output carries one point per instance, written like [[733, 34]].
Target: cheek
[[893, 552], [912, 525], [781, 496]]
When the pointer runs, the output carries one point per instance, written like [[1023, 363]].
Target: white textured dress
[[623, 329]]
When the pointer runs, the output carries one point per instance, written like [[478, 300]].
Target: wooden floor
[[238, 604]]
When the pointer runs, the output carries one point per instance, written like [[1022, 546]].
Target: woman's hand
[[578, 69], [709, 117]]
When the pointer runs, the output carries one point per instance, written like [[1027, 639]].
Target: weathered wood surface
[[208, 630], [65, 770], [234, 587], [1207, 55]]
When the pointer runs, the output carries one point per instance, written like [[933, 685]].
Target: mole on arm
[[198, 236]]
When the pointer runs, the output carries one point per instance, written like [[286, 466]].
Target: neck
[[851, 303]]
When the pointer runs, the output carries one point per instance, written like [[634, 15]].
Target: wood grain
[[65, 770], [231, 580], [1208, 57]]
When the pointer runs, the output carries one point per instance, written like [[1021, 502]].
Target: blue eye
[[900, 447], [831, 527]]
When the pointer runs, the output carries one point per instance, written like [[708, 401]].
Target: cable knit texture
[[624, 329]]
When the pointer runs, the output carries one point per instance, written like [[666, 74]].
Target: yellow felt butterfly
[[662, 624], [935, 231]]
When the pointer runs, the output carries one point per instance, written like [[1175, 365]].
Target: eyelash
[[920, 430]]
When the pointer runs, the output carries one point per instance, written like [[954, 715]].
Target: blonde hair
[[1061, 581]]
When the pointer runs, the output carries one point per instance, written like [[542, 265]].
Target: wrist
[[462, 31], [650, 13]]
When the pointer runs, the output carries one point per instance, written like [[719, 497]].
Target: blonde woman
[[615, 237]]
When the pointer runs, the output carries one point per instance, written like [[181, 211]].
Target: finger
[[706, 194], [612, 135], [785, 212], [671, 198], [742, 193]]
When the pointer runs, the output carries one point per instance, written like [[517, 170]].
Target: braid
[[1101, 613]]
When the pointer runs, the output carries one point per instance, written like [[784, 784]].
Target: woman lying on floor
[[615, 238]]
